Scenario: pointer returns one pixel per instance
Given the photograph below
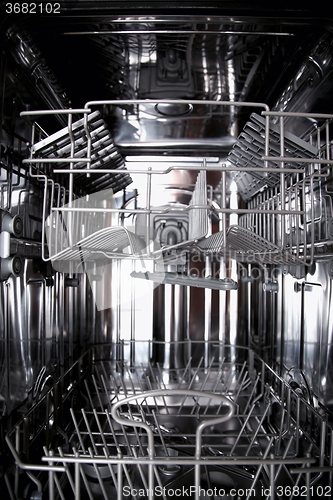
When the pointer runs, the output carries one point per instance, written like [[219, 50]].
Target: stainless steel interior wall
[[292, 327], [44, 324]]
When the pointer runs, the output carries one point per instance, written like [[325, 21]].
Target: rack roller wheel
[[11, 266]]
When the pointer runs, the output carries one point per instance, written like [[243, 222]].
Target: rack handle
[[174, 392], [198, 435]]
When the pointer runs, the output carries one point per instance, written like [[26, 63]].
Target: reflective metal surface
[[140, 337], [196, 56]]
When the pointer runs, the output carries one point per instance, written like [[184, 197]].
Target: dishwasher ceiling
[[90, 51]]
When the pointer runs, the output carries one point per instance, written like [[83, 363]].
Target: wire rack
[[231, 426], [250, 148], [86, 138], [284, 180], [246, 245]]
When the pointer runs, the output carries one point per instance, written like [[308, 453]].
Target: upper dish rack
[[283, 179]]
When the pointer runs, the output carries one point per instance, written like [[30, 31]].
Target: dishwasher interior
[[166, 252]]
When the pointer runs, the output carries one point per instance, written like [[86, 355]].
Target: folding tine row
[[250, 148], [100, 153]]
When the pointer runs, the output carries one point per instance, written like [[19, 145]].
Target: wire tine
[[222, 362], [57, 482], [143, 389], [119, 364], [279, 441], [96, 372], [252, 393], [69, 476], [9, 487], [157, 383], [114, 386], [146, 376], [217, 381], [284, 456], [161, 376], [160, 433], [259, 468], [187, 369], [134, 428], [139, 379], [197, 407], [303, 472], [106, 392], [89, 431], [242, 370], [126, 437], [114, 435], [219, 408], [241, 385], [143, 478], [190, 385], [159, 482], [145, 402], [154, 399], [113, 382], [98, 474], [128, 477], [220, 373], [55, 477], [214, 390], [297, 481], [77, 430], [130, 378], [202, 389], [142, 413], [257, 430], [84, 477], [242, 429], [102, 433], [142, 475], [196, 372], [207, 374], [123, 386], [230, 379], [104, 371], [164, 387], [113, 475], [247, 382], [152, 372], [89, 393], [97, 392]]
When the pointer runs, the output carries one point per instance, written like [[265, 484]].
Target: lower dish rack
[[137, 430]]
